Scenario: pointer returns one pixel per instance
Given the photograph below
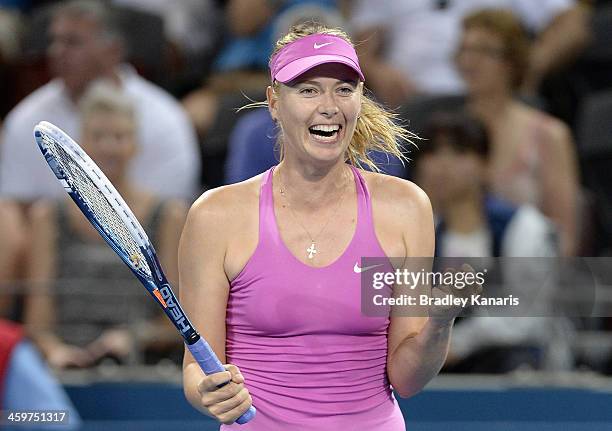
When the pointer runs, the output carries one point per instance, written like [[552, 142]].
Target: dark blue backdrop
[[131, 406]]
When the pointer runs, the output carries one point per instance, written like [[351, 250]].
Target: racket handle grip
[[210, 364]]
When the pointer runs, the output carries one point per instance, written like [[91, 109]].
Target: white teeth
[[325, 138], [326, 127]]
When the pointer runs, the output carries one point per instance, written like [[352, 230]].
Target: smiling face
[[79, 52], [482, 62], [110, 139], [318, 113]]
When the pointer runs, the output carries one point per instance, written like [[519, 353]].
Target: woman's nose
[[328, 105]]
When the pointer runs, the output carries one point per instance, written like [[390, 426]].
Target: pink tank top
[[311, 360]]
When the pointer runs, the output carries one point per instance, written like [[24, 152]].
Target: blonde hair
[[103, 96], [377, 128]]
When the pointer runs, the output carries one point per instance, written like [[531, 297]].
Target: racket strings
[[98, 204]]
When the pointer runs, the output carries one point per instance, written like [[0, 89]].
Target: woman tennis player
[[269, 268]]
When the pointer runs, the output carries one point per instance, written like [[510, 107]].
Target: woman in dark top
[[86, 304]]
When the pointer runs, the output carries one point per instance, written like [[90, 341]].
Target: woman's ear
[[272, 99], [361, 96]]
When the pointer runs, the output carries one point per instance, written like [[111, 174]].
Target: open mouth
[[325, 132]]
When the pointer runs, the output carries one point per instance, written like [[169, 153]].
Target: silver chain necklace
[[312, 250]]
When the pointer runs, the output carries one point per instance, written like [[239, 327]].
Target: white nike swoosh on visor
[[358, 270], [317, 46]]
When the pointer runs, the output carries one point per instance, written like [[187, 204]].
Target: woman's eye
[[345, 90], [307, 91]]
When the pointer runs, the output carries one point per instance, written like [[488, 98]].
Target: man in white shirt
[[85, 45], [407, 47]]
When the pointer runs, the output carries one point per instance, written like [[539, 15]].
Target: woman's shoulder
[[229, 202], [551, 128], [398, 192], [398, 201], [401, 210]]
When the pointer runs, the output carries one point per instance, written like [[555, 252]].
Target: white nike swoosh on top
[[359, 270], [317, 46]]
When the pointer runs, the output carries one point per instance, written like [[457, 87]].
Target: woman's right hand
[[226, 403]]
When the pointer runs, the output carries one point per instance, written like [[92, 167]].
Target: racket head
[[97, 198]]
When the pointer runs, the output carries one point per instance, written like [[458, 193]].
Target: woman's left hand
[[445, 314]]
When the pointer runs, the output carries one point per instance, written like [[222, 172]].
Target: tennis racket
[[112, 218]]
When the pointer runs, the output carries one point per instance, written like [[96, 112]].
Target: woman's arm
[[39, 315], [416, 358], [417, 346], [388, 82], [203, 294], [12, 232], [558, 45], [560, 184]]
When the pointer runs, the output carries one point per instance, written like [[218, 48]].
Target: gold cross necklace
[[312, 250]]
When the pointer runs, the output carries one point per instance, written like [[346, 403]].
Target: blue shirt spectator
[[254, 52]]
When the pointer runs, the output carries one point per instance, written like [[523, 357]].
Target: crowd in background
[[514, 98]]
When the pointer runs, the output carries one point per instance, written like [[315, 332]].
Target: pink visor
[[310, 51]]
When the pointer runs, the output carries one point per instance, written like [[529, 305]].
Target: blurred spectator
[[532, 154], [11, 29], [12, 245], [84, 297], [452, 168], [594, 137], [254, 25], [252, 149], [407, 46], [86, 45], [193, 29], [566, 89], [26, 384]]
